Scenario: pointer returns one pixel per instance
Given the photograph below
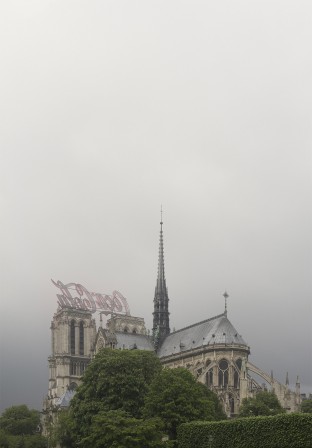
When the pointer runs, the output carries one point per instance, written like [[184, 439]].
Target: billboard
[[76, 296]]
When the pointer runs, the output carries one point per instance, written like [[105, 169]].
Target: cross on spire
[[225, 295]]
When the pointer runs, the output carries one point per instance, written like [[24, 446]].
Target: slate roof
[[133, 341], [64, 399], [216, 330]]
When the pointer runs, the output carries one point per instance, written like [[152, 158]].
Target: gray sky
[[110, 108]]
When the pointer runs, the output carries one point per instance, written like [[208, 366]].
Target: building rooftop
[[133, 341], [210, 332]]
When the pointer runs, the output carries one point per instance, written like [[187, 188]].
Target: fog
[[110, 109]]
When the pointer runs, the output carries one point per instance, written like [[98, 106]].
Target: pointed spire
[[161, 314], [287, 379]]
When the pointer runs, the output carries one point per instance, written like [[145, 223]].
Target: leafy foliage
[[118, 429], [264, 403], [62, 432], [18, 420], [115, 380], [18, 427], [176, 397], [280, 431], [306, 406], [128, 400]]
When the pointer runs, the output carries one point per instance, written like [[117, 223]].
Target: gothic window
[[236, 380], [73, 368], [73, 386], [126, 330], [209, 378], [134, 331], [72, 337], [208, 362], [231, 403], [81, 339], [223, 373], [239, 363]]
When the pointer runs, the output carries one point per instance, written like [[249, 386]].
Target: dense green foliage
[[306, 406], [118, 429], [114, 380], [62, 432], [280, 431], [264, 403], [128, 400], [18, 428], [176, 397]]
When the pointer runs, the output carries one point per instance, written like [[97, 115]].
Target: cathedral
[[213, 350]]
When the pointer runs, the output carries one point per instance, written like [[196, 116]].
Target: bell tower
[[161, 327], [72, 340]]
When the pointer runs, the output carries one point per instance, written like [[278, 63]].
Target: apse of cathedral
[[213, 350]]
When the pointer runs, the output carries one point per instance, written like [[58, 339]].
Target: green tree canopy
[[18, 420], [116, 379], [18, 428], [127, 399], [306, 406], [264, 403], [117, 429], [176, 397]]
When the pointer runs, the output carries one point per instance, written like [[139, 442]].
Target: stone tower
[[73, 334], [161, 327]]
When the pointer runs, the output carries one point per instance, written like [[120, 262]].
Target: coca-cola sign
[[76, 296]]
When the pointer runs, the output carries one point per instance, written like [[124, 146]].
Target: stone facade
[[73, 335]]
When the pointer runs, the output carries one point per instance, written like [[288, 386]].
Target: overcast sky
[[110, 109]]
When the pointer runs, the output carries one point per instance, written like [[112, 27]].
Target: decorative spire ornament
[[225, 295]]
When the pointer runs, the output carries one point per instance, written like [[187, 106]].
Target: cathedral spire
[[161, 314]]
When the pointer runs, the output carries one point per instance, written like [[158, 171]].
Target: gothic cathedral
[[212, 350]]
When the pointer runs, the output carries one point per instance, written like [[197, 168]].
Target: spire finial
[[161, 215], [225, 295]]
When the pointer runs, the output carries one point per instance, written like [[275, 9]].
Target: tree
[[62, 432], [118, 429], [115, 380], [264, 403], [176, 397], [306, 406], [127, 399], [18, 420], [18, 428]]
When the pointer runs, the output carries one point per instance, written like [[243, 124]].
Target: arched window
[[126, 330], [223, 374], [236, 379], [209, 378], [134, 331], [72, 337], [239, 363], [81, 338], [73, 368]]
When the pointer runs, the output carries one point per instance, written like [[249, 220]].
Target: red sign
[[90, 301]]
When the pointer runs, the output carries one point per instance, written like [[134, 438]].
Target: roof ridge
[[197, 323]]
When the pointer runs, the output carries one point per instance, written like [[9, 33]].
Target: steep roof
[[65, 399], [216, 330], [133, 341]]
